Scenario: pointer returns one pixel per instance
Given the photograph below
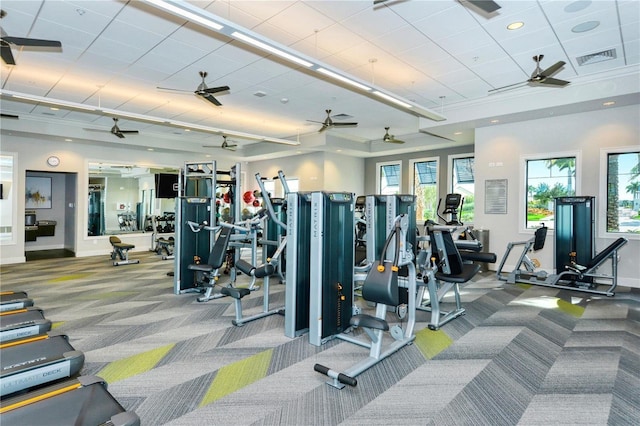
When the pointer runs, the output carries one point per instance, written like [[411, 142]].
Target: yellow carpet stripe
[[431, 342], [233, 377], [56, 324], [70, 277], [571, 309], [136, 364]]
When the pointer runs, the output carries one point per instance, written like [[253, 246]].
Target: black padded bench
[[121, 250]]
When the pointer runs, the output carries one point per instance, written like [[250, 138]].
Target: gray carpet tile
[[520, 355]]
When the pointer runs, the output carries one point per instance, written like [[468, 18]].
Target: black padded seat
[[369, 321], [468, 271], [236, 293], [116, 242], [600, 257], [473, 256], [202, 267]]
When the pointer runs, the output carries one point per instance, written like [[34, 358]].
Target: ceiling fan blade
[[552, 69], [323, 128], [509, 86], [3, 115], [216, 89], [119, 134], [211, 99], [131, 132], [552, 82], [21, 41], [174, 90], [394, 140], [314, 121], [487, 6], [7, 56], [334, 124]]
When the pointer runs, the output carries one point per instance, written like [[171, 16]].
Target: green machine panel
[[574, 231]]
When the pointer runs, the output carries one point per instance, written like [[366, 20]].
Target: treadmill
[[79, 401], [35, 361], [10, 300], [22, 323]]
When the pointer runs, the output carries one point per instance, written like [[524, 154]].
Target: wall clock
[[53, 161]]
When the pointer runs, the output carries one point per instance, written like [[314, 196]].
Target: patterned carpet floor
[[522, 355]]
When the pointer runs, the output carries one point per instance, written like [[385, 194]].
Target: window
[[462, 181], [389, 176], [546, 179], [425, 188], [623, 192]]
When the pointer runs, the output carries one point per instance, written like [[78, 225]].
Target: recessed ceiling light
[[68, 140], [187, 130], [457, 133], [495, 121], [149, 149], [609, 103], [54, 109], [577, 6], [338, 150], [515, 25], [585, 26]]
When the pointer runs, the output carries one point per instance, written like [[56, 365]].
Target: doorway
[[50, 214]]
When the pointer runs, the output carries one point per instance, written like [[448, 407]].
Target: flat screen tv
[[166, 185]]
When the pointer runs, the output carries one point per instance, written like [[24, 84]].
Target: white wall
[[499, 152], [316, 171], [32, 155]]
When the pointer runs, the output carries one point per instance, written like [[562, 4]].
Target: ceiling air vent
[[260, 94], [593, 58]]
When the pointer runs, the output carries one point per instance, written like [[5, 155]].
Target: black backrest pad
[[381, 287], [451, 251], [217, 255], [600, 257], [540, 237]]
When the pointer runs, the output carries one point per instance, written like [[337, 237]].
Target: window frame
[[602, 193], [450, 171], [522, 198], [412, 179], [379, 174]]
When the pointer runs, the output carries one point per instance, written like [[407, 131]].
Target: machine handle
[[342, 378]]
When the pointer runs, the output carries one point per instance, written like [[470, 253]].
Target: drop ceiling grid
[[300, 20]]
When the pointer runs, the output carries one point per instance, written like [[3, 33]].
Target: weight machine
[[269, 268], [576, 277], [381, 286]]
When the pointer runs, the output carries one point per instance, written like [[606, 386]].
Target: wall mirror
[[130, 198], [7, 206]]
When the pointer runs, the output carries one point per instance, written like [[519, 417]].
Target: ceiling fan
[[540, 77], [203, 90], [390, 138], [329, 123], [225, 145], [115, 130], [6, 41]]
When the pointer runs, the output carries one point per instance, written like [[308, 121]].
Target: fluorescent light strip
[[230, 29], [271, 49], [392, 99], [141, 117], [186, 14], [343, 79], [58, 103]]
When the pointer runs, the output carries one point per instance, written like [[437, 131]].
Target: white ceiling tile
[[66, 14], [446, 23], [339, 10], [132, 36], [371, 25], [300, 20]]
